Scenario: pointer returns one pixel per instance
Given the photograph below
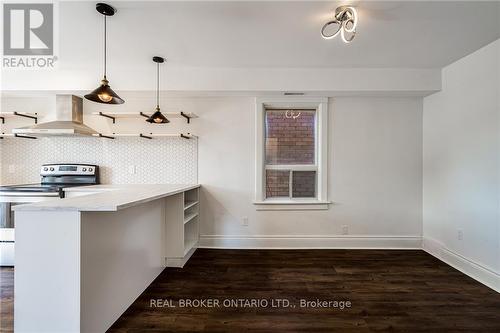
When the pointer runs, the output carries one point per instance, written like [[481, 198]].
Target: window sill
[[279, 204]]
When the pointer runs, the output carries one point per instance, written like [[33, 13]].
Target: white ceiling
[[394, 34]]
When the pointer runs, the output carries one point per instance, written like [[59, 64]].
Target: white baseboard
[[476, 271], [309, 242], [180, 262]]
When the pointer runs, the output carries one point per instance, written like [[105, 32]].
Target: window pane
[[304, 184], [290, 137], [277, 183]]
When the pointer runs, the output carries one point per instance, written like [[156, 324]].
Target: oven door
[[7, 223]]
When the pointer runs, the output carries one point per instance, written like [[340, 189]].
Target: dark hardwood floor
[[389, 290], [6, 299]]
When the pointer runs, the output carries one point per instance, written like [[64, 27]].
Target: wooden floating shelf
[[145, 136], [113, 115], [11, 135], [13, 114]]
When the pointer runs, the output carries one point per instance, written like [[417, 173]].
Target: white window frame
[[320, 104]]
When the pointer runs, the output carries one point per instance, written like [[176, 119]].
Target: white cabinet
[[181, 227]]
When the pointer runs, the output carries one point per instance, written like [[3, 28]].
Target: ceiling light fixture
[[158, 117], [346, 18], [104, 93]]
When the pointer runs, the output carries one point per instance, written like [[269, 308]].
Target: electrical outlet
[[345, 230], [244, 221], [12, 168], [132, 169], [460, 234]]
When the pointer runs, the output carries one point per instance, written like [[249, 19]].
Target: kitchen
[[211, 161]]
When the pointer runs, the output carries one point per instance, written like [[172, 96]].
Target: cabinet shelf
[[189, 204], [190, 217], [116, 115]]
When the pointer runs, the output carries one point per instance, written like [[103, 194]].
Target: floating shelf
[[11, 135], [13, 114], [189, 204], [145, 136], [190, 217], [116, 115]]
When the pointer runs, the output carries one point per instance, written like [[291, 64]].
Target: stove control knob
[[51, 169], [45, 169], [90, 169], [84, 169]]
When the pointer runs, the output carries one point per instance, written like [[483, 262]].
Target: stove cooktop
[[36, 187]]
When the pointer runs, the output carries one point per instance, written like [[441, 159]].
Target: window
[[291, 153]]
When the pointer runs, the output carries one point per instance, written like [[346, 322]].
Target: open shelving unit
[[182, 227], [117, 115]]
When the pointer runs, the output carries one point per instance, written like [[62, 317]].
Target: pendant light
[[158, 117], [104, 93]]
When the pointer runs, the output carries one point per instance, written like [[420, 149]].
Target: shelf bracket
[[185, 136], [107, 116], [145, 136], [143, 114], [106, 136], [3, 120], [26, 116], [24, 136], [188, 118]]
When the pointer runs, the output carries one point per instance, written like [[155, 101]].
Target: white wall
[[461, 166], [375, 178], [375, 170]]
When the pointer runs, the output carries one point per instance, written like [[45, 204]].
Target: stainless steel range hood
[[68, 121]]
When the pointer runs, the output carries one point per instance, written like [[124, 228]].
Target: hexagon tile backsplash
[[126, 160]]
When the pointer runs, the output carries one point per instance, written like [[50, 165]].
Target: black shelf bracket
[[26, 116], [25, 136], [3, 120], [108, 116], [106, 136], [145, 136], [143, 114], [188, 118]]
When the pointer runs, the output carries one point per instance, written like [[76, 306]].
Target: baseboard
[[180, 262], [476, 271], [309, 242]]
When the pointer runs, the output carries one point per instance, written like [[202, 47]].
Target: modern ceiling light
[[346, 18], [104, 93], [158, 117]]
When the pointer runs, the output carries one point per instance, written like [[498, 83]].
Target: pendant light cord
[[158, 85], [105, 46]]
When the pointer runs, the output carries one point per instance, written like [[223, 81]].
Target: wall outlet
[[244, 221], [345, 230], [460, 234], [12, 168], [132, 169]]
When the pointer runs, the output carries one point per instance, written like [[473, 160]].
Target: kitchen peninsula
[[82, 260]]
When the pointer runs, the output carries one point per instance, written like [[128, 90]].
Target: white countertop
[[103, 198]]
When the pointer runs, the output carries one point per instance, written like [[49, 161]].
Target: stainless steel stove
[[54, 179]]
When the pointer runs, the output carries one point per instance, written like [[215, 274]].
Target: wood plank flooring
[[389, 291]]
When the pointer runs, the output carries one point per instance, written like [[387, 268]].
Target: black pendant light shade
[[104, 94], [158, 117]]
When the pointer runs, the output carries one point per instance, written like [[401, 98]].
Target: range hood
[[68, 120]]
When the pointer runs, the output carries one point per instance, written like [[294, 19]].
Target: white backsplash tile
[[156, 161]]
